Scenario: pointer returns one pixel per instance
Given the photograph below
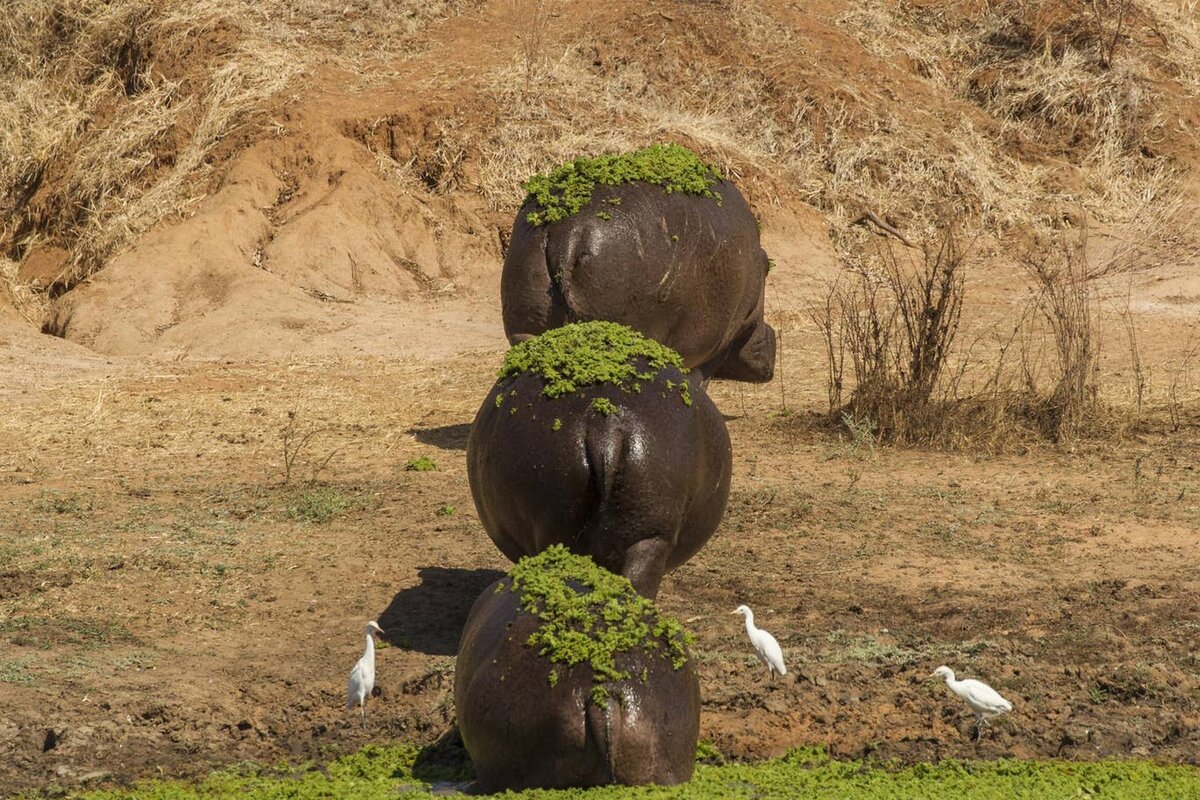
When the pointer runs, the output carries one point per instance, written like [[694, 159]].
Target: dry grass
[[114, 111], [844, 147]]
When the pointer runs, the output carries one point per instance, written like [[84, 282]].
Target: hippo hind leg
[[751, 358], [645, 563]]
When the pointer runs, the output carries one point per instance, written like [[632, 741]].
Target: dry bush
[[1065, 300], [535, 17], [895, 323], [897, 320]]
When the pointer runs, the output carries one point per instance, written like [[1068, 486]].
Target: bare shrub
[[1065, 300], [534, 16], [1109, 18], [897, 319]]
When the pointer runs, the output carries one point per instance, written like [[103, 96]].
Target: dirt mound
[[352, 181]]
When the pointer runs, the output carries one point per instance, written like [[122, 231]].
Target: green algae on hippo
[[656, 240], [567, 677], [595, 437]]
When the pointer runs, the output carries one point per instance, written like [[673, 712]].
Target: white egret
[[764, 643], [362, 677], [985, 701]]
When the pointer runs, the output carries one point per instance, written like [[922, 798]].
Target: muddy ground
[[168, 604]]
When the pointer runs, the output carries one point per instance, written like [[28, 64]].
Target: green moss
[[499, 399], [604, 406], [685, 390], [557, 426], [422, 464], [613, 201], [674, 237], [589, 353], [770, 265], [604, 215], [569, 187], [590, 616], [387, 772]]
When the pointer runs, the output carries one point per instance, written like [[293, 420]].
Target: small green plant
[[14, 672], [422, 463], [862, 432], [604, 215], [318, 505], [446, 510], [604, 406], [557, 426]]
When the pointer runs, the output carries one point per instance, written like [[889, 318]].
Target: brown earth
[[168, 603]]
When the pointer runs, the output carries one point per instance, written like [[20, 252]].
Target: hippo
[[595, 437], [656, 240], [567, 677]]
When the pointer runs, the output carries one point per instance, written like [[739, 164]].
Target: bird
[[764, 643], [985, 701], [362, 677]]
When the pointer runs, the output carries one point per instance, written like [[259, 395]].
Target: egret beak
[[735, 612]]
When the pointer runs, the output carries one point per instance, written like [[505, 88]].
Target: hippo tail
[[561, 269], [603, 449], [599, 724]]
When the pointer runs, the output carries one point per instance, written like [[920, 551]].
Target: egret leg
[[363, 709]]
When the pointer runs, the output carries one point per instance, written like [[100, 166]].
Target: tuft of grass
[[14, 672], [319, 505], [420, 464], [446, 510]]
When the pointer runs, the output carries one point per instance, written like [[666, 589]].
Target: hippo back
[[528, 722], [638, 480], [685, 270]]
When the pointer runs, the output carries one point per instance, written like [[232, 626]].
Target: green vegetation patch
[[590, 615], [425, 463], [569, 187], [385, 773], [604, 406], [590, 353], [319, 505]]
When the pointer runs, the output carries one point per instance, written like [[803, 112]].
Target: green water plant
[[588, 615], [387, 772], [590, 353], [569, 187]]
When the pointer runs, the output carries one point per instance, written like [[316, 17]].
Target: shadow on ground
[[447, 437], [446, 765], [430, 616]]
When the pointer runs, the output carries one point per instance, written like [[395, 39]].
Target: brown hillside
[[224, 182]]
